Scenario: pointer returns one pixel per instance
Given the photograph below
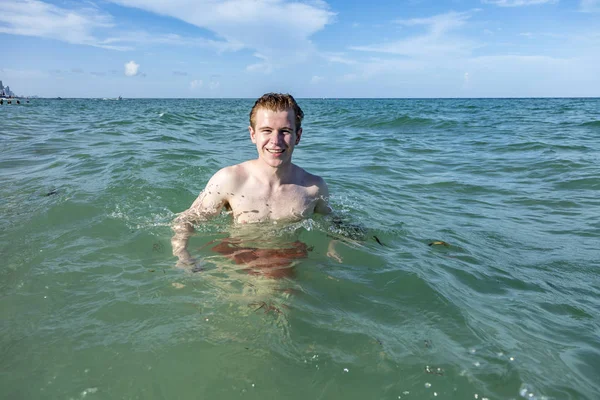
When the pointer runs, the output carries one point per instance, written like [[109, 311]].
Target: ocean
[[470, 257]]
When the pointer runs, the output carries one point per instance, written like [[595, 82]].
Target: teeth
[[275, 151]]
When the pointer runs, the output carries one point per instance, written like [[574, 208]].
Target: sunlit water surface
[[92, 305]]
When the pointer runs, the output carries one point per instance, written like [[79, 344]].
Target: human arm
[[208, 204], [323, 207], [341, 230]]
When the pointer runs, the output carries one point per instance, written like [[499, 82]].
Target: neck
[[276, 176]]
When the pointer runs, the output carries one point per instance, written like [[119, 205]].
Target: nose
[[277, 138]]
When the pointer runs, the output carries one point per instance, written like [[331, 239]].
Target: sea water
[[470, 253]]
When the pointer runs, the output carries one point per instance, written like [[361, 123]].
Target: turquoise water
[[92, 305]]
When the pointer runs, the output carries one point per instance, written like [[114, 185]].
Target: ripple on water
[[507, 310]]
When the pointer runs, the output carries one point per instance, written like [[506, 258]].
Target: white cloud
[[589, 6], [316, 79], [36, 18], [196, 83], [436, 43], [379, 66], [265, 67], [131, 68], [438, 24], [278, 31], [517, 3], [86, 25], [145, 38], [339, 58]]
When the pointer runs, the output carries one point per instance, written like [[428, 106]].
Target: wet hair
[[277, 102]]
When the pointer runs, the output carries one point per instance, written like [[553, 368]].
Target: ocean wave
[[379, 122], [591, 124], [85, 232]]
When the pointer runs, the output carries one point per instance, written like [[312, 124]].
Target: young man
[[269, 188]]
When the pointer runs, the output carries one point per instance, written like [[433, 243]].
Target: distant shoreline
[[318, 98]]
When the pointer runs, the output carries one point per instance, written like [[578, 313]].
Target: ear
[[298, 135], [252, 134]]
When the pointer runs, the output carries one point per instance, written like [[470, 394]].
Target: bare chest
[[288, 203]]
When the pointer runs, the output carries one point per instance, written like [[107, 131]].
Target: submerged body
[[269, 188]]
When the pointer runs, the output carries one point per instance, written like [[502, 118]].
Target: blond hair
[[277, 102]]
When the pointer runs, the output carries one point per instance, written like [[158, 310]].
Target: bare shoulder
[[227, 175], [228, 179], [217, 190], [309, 180], [317, 189]]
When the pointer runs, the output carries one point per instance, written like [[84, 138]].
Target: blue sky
[[312, 48]]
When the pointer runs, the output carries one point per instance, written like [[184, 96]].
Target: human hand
[[187, 262], [331, 253]]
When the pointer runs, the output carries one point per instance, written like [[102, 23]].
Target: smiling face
[[275, 136]]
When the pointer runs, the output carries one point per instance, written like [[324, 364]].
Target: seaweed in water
[[378, 241], [439, 243]]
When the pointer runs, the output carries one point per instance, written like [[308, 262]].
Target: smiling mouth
[[275, 151]]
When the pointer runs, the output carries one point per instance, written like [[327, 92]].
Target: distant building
[[5, 91]]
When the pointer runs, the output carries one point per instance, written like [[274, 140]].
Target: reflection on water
[[269, 262]]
